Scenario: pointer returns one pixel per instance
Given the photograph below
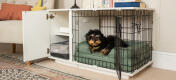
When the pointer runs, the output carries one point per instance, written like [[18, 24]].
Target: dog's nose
[[91, 42]]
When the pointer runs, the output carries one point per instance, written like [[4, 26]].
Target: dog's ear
[[99, 32], [90, 31], [87, 34]]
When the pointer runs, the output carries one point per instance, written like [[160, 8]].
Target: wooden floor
[[148, 74]]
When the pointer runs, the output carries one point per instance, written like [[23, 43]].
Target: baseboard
[[164, 60]]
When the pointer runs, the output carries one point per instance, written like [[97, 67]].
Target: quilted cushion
[[134, 55], [13, 11], [48, 3]]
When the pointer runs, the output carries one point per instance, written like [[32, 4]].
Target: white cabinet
[[41, 29], [36, 38]]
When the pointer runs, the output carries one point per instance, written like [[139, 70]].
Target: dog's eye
[[90, 37]]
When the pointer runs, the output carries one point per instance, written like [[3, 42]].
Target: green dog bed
[[132, 57]]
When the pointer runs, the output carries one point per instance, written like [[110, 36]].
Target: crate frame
[[135, 14]]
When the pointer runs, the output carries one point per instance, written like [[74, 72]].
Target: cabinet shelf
[[56, 58], [62, 34]]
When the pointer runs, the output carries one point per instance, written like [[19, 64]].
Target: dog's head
[[94, 37]]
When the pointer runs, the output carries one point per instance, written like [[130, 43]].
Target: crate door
[[35, 35]]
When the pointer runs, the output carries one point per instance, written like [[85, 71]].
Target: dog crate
[[134, 26]]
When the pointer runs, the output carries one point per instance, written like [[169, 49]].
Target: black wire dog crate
[[133, 26]]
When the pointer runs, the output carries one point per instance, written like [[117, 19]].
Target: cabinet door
[[36, 39]]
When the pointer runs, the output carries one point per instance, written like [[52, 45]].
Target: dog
[[99, 43]]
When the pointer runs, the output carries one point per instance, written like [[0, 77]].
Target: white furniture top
[[128, 8]]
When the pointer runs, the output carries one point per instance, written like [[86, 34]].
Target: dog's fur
[[99, 43]]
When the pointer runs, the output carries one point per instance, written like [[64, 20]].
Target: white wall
[[167, 39], [164, 25]]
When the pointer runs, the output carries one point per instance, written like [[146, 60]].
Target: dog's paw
[[105, 51], [91, 49]]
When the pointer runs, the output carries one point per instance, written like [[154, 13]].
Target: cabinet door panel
[[36, 31]]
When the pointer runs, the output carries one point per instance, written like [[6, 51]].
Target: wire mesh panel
[[133, 27]]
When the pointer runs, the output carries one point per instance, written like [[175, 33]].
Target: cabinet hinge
[[47, 16], [51, 16], [48, 50]]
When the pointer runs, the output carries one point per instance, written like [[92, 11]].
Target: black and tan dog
[[99, 43]]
